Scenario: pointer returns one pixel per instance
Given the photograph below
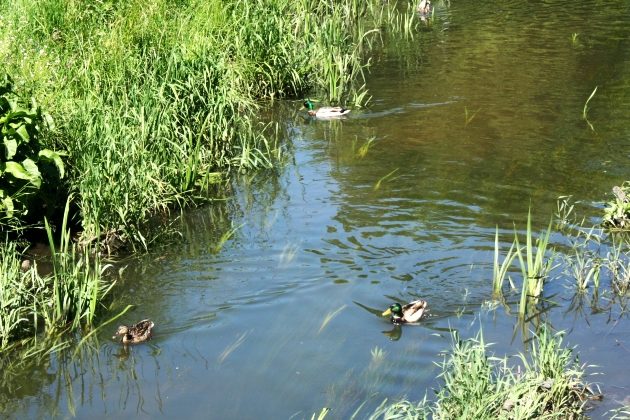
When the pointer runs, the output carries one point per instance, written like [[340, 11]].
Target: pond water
[[472, 122]]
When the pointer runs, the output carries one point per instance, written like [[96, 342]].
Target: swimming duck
[[325, 111], [136, 333], [411, 312], [424, 8]]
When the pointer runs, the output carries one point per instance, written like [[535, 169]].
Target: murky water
[[474, 120]]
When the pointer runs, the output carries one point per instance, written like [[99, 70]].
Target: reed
[[535, 266], [547, 383], [583, 264], [76, 285], [47, 305], [500, 270]]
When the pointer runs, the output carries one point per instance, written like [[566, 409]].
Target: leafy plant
[[584, 265], [617, 211], [534, 266], [24, 165]]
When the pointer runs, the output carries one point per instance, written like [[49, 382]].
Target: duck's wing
[[332, 111], [414, 311], [143, 327]]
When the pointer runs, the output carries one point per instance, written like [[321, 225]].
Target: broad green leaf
[[20, 172], [50, 123], [16, 169], [11, 148], [17, 113], [6, 204], [35, 177], [54, 157], [22, 132]]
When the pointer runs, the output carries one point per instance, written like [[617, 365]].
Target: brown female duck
[[136, 333]]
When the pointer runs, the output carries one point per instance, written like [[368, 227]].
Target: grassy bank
[[152, 101], [152, 104]]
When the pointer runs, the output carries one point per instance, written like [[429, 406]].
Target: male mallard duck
[[424, 8], [411, 312], [136, 333], [325, 111]]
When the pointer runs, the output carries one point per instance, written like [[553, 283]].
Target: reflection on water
[[269, 306]]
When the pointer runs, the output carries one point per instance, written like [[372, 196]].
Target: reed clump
[[547, 382], [34, 305]]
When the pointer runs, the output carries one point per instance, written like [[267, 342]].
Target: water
[[476, 118]]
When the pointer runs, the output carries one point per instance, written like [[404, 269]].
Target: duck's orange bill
[[387, 312]]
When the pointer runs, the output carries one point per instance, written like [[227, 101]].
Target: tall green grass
[[476, 384], [37, 305], [152, 100]]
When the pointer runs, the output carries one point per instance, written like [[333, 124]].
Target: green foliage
[[617, 211], [499, 270], [32, 303], [26, 169], [152, 101], [535, 266], [548, 383], [15, 296]]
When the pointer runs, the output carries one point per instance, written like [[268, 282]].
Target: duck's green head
[[309, 105], [395, 309]]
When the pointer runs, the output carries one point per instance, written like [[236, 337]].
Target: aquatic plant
[[363, 150], [548, 382], [15, 295], [469, 116], [617, 211], [499, 270], [34, 303], [77, 286], [535, 266], [386, 178], [617, 262], [583, 264]]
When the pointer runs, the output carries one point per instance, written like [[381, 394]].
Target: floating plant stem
[[383, 179], [585, 110]]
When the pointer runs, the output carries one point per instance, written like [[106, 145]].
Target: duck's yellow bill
[[387, 312]]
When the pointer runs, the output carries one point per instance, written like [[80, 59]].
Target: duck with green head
[[325, 112], [409, 313]]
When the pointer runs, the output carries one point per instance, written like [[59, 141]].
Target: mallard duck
[[411, 312], [136, 333], [325, 111], [424, 8]]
